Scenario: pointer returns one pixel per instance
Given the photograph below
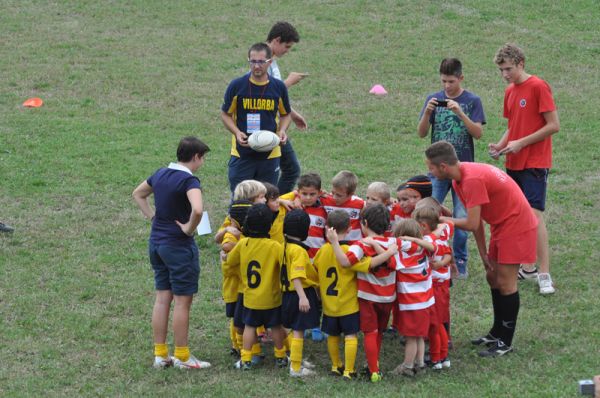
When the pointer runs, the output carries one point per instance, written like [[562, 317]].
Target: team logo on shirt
[[522, 102]]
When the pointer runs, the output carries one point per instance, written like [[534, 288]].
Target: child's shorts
[[414, 323], [336, 325], [269, 318], [293, 318], [176, 268], [238, 314], [374, 316]]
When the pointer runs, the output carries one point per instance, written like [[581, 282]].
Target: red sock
[[434, 343], [371, 351], [443, 342]]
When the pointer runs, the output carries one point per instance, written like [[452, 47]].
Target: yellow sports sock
[[182, 353], [333, 346], [232, 336], [279, 352], [350, 349], [287, 342], [296, 353], [239, 338], [260, 330], [246, 355], [256, 349], [161, 350]]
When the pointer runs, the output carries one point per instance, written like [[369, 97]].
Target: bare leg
[[160, 315], [181, 320], [543, 249]]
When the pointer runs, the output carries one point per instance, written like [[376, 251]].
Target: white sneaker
[[191, 363], [303, 372], [162, 362], [545, 283], [446, 362], [308, 365]]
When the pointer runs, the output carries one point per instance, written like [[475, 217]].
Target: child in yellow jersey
[[338, 287], [298, 282], [231, 277], [258, 259], [279, 211]]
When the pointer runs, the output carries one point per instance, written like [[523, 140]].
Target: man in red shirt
[[527, 144], [490, 195]]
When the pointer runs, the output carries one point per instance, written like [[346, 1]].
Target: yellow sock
[[350, 349], [333, 346], [182, 353], [256, 349], [232, 336], [287, 342], [260, 330], [239, 338], [246, 355], [279, 352], [161, 350], [296, 353]]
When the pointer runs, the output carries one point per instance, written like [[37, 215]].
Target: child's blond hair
[[249, 190], [408, 227], [427, 215], [346, 180], [431, 202], [381, 189]]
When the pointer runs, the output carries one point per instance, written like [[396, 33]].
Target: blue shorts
[[336, 325], [269, 318], [292, 318], [533, 183], [176, 268], [263, 170], [230, 309], [238, 313]]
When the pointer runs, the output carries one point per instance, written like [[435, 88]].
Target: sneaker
[[437, 365], [403, 370], [527, 275], [246, 365], [335, 371], [234, 352], [303, 372], [6, 228], [282, 362], [349, 375], [498, 349], [419, 369], [545, 283], [488, 340], [317, 335], [237, 364], [446, 362], [308, 365], [258, 359], [191, 363], [376, 377], [162, 362]]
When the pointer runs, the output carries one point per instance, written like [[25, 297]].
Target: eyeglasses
[[259, 62]]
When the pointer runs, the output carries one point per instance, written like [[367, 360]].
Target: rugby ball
[[263, 141]]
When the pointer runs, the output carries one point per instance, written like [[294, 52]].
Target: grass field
[[123, 81]]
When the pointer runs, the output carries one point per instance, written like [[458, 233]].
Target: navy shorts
[[263, 170], [269, 318], [176, 268], [293, 318], [238, 314], [533, 183], [336, 325], [230, 309]]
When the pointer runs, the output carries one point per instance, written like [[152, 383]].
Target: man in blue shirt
[[454, 115], [172, 249]]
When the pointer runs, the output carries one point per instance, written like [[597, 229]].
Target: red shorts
[[518, 249], [414, 323], [441, 292], [374, 316]]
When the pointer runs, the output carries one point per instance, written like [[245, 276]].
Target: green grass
[[122, 82]]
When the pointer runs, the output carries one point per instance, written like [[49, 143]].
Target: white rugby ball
[[263, 141]]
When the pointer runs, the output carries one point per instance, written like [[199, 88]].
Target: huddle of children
[[362, 260]]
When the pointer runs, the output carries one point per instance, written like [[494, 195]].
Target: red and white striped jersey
[[352, 206], [414, 283], [442, 248], [316, 231], [397, 214], [377, 285]]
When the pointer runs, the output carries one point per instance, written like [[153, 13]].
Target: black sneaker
[[335, 371], [487, 340], [496, 350], [246, 365], [347, 376], [282, 362], [6, 228], [234, 352]]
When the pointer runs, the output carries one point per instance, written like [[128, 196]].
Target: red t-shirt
[[524, 105], [502, 202]]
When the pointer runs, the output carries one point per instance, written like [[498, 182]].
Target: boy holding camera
[[454, 115]]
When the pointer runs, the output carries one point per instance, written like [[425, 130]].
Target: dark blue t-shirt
[[170, 186], [445, 125]]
